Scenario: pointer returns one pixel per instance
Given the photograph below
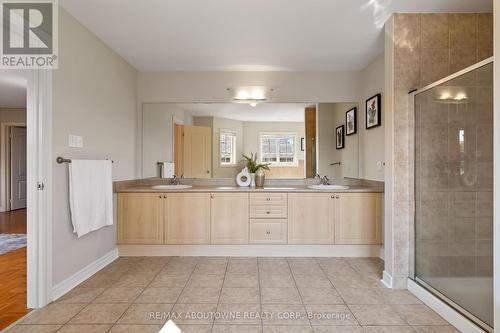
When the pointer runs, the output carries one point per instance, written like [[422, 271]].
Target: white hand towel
[[90, 195]]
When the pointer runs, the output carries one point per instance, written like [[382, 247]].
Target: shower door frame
[[411, 127]]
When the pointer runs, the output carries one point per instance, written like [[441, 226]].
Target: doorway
[[13, 197]]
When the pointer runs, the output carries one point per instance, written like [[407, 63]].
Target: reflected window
[[279, 149], [227, 147], [461, 142]]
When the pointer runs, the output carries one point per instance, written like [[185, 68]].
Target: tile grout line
[[84, 307], [87, 304], [298, 291], [260, 296], [220, 293], [345, 303], [144, 288], [185, 285]]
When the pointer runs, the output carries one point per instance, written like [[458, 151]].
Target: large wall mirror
[[208, 140]]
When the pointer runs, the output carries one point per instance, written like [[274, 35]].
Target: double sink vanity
[[207, 214], [157, 214]]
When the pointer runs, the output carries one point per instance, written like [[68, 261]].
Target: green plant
[[252, 165]]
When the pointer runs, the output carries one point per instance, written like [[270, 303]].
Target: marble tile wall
[[426, 48]]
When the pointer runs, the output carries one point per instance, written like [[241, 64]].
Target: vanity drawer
[[268, 231], [268, 212], [275, 199]]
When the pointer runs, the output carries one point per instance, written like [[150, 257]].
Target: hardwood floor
[[13, 222], [12, 287], [13, 271]]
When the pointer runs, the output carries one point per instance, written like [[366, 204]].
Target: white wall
[[94, 95], [329, 117], [371, 142], [157, 139]]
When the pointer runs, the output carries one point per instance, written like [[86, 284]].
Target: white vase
[[252, 183], [243, 178]]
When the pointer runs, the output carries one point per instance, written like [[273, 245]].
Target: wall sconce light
[[251, 95]]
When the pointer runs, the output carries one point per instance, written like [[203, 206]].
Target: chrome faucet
[[323, 180], [176, 180]]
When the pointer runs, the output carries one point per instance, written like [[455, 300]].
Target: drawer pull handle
[[268, 199], [159, 196], [268, 212], [268, 232], [164, 197], [333, 197]]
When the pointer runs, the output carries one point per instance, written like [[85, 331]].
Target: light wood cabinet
[[358, 218], [229, 218], [140, 218], [268, 231], [268, 212], [310, 218], [187, 217], [268, 199]]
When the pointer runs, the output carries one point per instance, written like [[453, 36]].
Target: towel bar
[[61, 160]]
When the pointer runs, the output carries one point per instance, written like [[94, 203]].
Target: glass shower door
[[454, 192]]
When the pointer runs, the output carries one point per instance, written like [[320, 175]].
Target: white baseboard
[[387, 279], [461, 323], [74, 280], [251, 250]]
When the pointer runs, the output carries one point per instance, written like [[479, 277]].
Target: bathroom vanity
[[208, 215], [222, 215]]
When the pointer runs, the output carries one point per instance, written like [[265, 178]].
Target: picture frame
[[373, 111], [302, 144], [351, 121], [340, 137]]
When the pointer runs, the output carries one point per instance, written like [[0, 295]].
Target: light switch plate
[[75, 141]]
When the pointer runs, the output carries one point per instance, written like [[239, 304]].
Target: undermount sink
[[171, 187], [328, 187]]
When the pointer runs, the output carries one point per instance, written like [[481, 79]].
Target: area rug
[[11, 242]]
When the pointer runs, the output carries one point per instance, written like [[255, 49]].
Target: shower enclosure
[[453, 191]]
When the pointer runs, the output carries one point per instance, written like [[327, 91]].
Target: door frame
[[39, 200], [5, 163]]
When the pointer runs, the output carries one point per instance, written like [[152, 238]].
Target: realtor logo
[[29, 34]]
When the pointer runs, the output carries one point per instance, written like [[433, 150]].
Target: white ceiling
[[12, 90], [250, 34], [266, 112]]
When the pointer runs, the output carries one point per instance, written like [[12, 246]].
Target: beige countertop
[[141, 187]]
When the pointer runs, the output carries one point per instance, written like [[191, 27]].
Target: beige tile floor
[[226, 295]]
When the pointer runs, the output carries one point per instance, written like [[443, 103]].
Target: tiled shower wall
[[422, 48]]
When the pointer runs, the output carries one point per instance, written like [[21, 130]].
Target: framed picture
[[351, 121], [302, 146], [339, 137], [373, 111]]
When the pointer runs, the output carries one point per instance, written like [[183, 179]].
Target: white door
[[17, 167]]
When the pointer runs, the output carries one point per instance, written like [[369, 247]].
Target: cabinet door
[[140, 218], [310, 218], [267, 231], [358, 218], [197, 152], [229, 218], [187, 218]]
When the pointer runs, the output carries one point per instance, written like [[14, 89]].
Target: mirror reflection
[[210, 140]]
